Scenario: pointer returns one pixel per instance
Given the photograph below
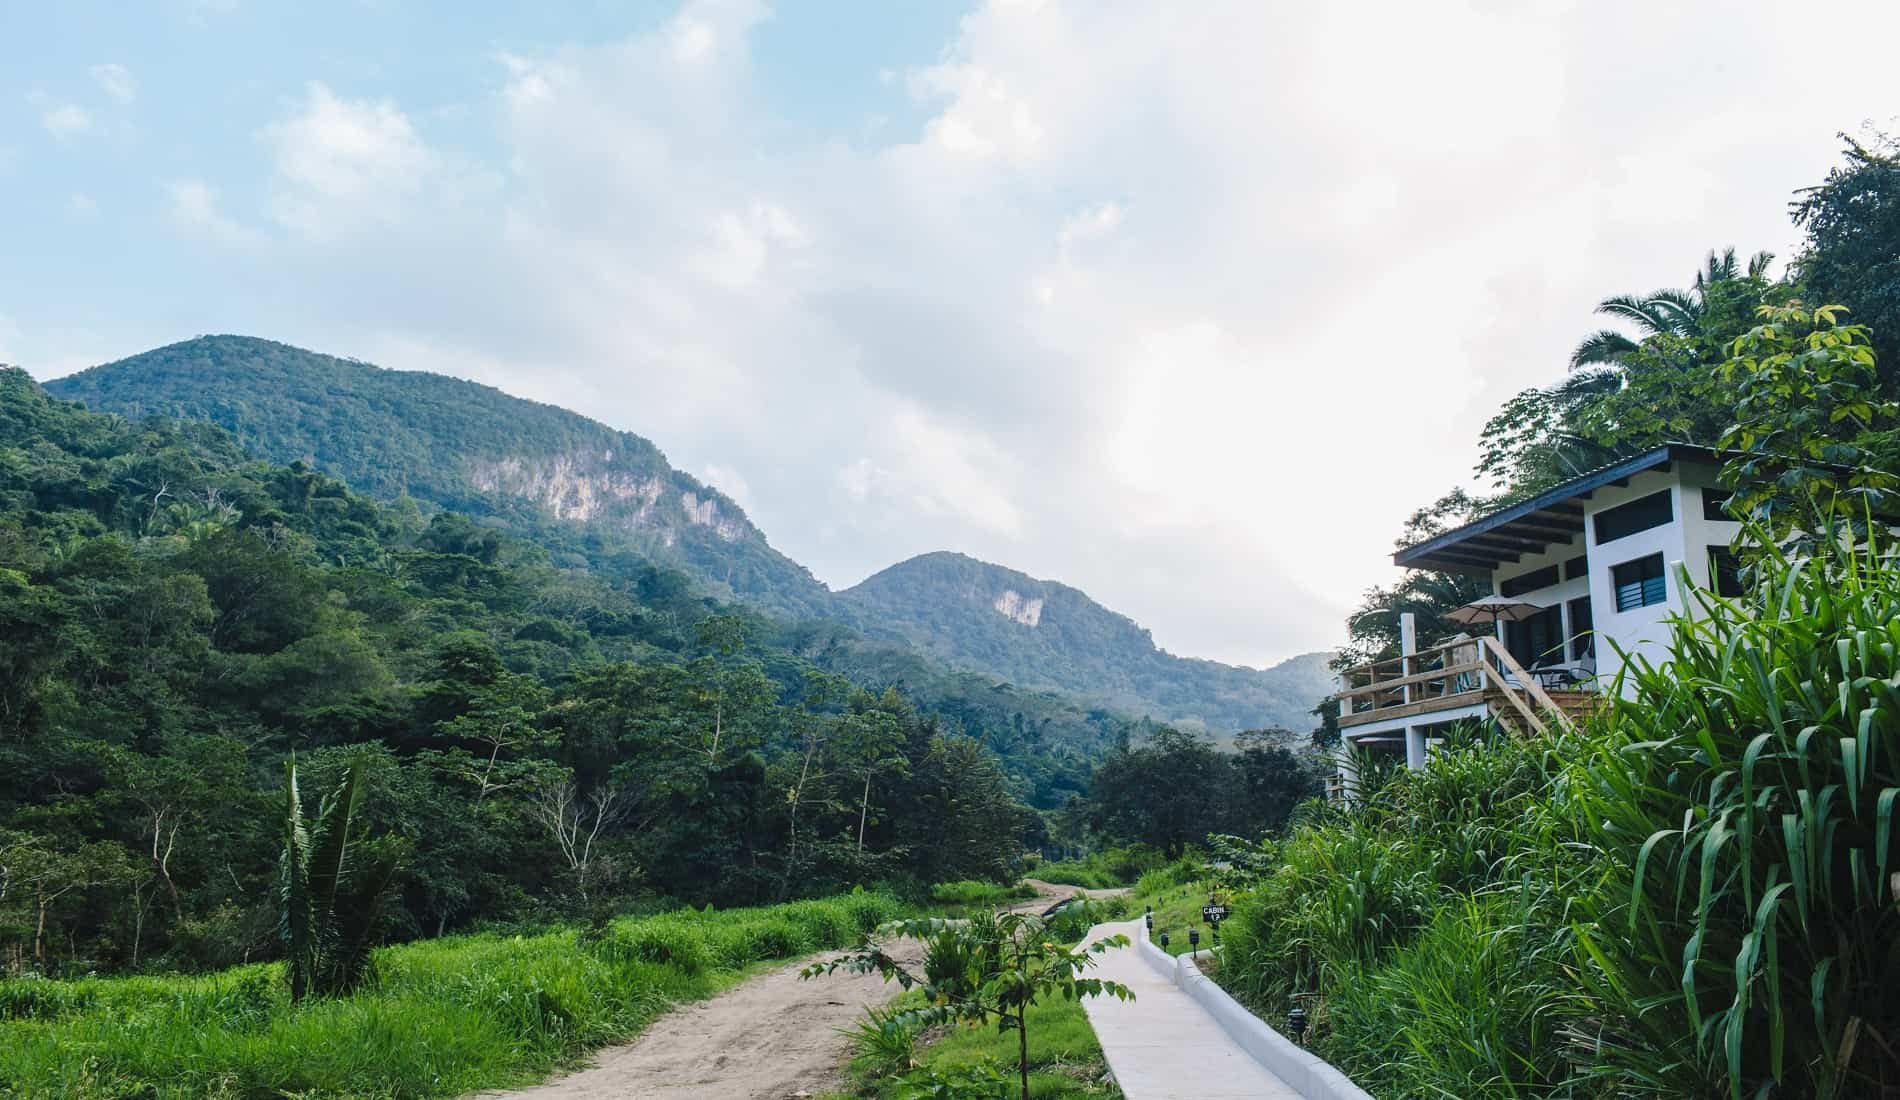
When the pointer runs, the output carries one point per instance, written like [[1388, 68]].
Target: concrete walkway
[[1163, 1045]]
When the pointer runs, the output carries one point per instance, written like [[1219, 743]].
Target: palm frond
[[1606, 347], [1678, 310]]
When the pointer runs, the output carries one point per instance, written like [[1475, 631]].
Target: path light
[[1194, 940], [1296, 1023], [1151, 922], [1164, 941]]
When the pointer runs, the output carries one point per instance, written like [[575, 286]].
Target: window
[[1638, 583], [1528, 582], [1715, 504], [1725, 573], [1576, 567], [1583, 643], [1640, 514], [1538, 640]]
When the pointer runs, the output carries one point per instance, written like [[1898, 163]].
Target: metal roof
[[1532, 526]]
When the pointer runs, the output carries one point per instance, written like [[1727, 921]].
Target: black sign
[[1213, 914]]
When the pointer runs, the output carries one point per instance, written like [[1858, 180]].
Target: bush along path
[[769, 1038]]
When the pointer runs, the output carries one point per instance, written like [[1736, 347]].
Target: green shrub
[[1102, 870]]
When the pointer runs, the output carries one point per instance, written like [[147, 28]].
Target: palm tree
[[334, 879], [1676, 313]]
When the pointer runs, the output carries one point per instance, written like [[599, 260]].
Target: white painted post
[[1408, 645], [1415, 747]]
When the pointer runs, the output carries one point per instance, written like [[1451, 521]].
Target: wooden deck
[[1457, 676]]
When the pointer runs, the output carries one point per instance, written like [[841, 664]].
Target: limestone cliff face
[[572, 486], [1014, 606]]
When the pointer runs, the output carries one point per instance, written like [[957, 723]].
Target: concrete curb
[[1312, 1076]]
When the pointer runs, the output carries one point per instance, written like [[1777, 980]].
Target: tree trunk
[[1022, 1046], [864, 806], [39, 935]]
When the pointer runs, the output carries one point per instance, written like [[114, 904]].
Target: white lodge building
[[1598, 554]]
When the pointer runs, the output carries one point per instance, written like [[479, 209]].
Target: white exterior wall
[[1641, 630], [1685, 539]]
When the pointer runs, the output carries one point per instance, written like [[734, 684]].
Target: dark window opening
[[1583, 643], [1725, 573], [1640, 514], [1715, 504], [1538, 640], [1638, 583], [1528, 582], [1576, 567]]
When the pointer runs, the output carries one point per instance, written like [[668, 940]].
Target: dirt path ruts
[[770, 1038]]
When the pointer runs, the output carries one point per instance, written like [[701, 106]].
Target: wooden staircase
[[1523, 705], [1572, 707]]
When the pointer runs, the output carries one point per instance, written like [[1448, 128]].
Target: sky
[[1186, 305]]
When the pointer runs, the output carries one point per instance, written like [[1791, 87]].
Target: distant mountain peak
[[1047, 634]]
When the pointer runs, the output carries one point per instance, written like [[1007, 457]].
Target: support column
[[1408, 645], [1415, 747]]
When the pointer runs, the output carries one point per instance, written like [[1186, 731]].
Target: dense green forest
[[547, 741], [609, 500]]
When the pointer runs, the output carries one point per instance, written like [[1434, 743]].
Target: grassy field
[[441, 1018]]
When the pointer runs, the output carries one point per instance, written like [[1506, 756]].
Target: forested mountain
[[455, 444], [609, 499], [177, 619], [1049, 635]]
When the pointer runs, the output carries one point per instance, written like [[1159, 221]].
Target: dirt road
[[772, 1038]]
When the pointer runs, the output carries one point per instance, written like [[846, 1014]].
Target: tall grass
[[1426, 930], [442, 1018], [1746, 942]]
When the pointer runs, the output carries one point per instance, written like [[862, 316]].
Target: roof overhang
[[1532, 526]]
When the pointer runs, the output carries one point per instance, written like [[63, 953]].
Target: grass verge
[[441, 1018], [1066, 1062]]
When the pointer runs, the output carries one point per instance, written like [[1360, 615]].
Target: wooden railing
[[1461, 673]]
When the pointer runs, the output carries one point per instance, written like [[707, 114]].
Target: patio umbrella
[[1493, 609]]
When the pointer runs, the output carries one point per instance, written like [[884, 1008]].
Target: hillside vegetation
[[455, 444], [544, 741], [609, 499]]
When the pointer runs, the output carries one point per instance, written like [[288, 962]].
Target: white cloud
[[116, 81], [193, 208], [65, 120], [81, 207], [1188, 306], [344, 165]]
